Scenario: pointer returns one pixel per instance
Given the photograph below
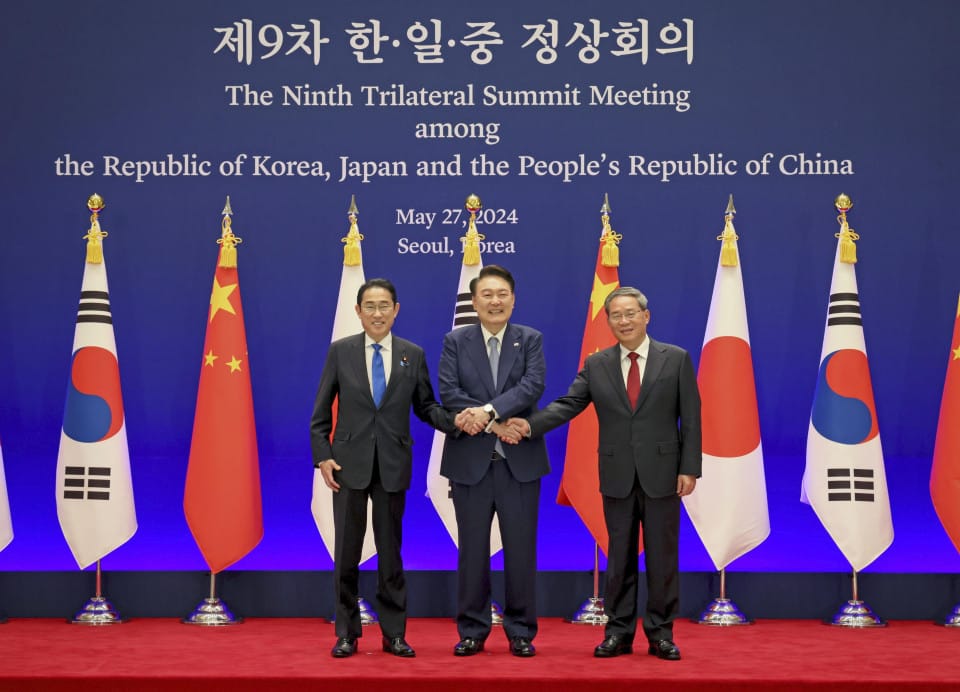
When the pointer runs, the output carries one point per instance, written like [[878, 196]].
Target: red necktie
[[633, 380]]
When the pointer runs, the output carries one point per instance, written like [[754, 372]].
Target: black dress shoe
[[344, 648], [665, 649], [468, 646], [521, 646], [398, 647], [613, 645]]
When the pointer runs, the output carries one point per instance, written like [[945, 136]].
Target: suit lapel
[[398, 359], [509, 352], [358, 363], [655, 363], [611, 363], [477, 350]]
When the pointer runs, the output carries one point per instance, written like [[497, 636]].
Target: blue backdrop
[[863, 91]]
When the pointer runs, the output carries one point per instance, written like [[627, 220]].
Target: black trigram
[[94, 307], [464, 313], [850, 485], [844, 309], [82, 483]]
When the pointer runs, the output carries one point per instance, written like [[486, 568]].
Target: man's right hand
[[326, 470], [519, 428]]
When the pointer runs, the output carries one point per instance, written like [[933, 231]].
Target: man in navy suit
[[648, 408], [375, 377], [490, 372]]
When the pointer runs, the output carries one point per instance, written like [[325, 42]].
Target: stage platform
[[161, 654]]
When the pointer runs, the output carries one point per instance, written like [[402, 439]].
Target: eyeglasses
[[627, 315], [372, 308]]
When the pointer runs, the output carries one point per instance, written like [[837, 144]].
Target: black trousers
[[516, 505], [350, 525], [660, 519]]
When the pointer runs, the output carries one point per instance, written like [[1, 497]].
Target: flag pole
[[211, 610], [471, 257], [98, 610], [351, 256], [856, 613], [591, 611]]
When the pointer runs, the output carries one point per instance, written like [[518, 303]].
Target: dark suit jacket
[[647, 441], [362, 427], [465, 380]]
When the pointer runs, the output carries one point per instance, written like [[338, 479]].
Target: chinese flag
[[580, 484], [945, 474], [222, 497]]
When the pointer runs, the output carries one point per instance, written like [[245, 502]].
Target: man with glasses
[[648, 408], [490, 371], [375, 378]]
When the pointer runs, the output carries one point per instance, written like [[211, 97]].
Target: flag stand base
[[590, 612], [97, 611], [856, 614], [953, 619], [368, 616], [722, 612], [213, 612], [496, 614]]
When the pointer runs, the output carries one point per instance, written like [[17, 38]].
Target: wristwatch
[[488, 409]]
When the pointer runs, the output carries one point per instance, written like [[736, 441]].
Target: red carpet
[[294, 654]]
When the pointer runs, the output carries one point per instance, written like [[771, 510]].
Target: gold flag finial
[[471, 241], [95, 235], [609, 239], [351, 241], [227, 241], [728, 248], [847, 236]]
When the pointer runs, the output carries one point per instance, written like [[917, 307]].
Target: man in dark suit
[[649, 457], [375, 377], [486, 479]]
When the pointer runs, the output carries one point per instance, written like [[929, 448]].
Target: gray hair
[[625, 291]]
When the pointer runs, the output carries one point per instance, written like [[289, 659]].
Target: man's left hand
[[685, 485]]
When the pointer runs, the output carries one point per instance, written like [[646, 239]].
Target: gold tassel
[[351, 248], [228, 245], [847, 236], [94, 238], [728, 251], [610, 253], [471, 242], [94, 252], [610, 256]]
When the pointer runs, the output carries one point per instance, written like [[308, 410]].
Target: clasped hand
[[475, 420]]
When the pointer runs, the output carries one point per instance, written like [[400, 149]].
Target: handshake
[[475, 420]]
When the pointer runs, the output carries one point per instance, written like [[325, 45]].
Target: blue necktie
[[494, 365], [379, 376]]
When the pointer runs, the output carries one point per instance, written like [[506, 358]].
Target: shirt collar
[[386, 343], [642, 350], [487, 334]]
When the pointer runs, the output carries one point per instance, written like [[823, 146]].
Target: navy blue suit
[[483, 483]]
